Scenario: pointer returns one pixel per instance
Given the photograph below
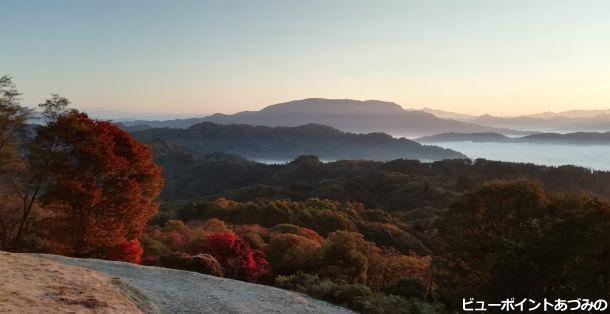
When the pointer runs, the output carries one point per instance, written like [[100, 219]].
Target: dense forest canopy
[[498, 240], [439, 211], [397, 185]]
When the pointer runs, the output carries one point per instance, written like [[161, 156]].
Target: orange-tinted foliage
[[128, 251], [102, 184], [310, 234]]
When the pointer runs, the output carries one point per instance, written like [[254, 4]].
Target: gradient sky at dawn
[[498, 57]]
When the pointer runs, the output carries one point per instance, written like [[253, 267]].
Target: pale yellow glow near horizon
[[474, 57], [475, 96]]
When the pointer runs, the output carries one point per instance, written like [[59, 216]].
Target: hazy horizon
[[191, 57], [130, 115], [539, 154]]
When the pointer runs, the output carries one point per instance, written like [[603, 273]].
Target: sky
[[180, 58]]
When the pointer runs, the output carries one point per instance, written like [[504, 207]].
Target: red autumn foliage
[[235, 255], [254, 264], [128, 251], [98, 176]]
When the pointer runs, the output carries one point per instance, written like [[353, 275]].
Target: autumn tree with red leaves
[[100, 183], [236, 256]]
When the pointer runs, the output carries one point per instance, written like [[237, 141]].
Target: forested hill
[[287, 143], [398, 185], [577, 138]]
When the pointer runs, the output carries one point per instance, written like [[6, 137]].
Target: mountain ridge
[[287, 143], [344, 114], [565, 121], [352, 116], [365, 116]]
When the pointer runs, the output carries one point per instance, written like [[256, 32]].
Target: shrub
[[235, 255], [289, 253], [205, 264], [357, 297]]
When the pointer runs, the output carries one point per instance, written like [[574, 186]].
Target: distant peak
[[334, 106]]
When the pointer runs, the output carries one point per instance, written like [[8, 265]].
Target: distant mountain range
[[465, 137], [286, 143], [599, 123], [343, 114], [449, 115], [380, 116], [571, 114], [565, 121], [578, 138]]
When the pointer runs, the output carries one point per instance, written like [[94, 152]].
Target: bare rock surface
[[30, 284], [177, 291]]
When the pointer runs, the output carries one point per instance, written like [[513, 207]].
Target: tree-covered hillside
[[398, 185], [287, 143]]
